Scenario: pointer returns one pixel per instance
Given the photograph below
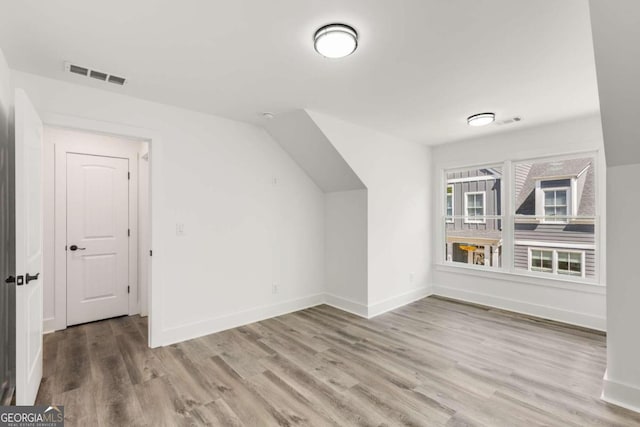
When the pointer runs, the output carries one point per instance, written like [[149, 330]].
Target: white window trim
[[466, 207], [559, 245], [554, 262], [474, 178], [451, 220]]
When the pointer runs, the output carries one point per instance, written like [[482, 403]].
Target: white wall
[[346, 250], [622, 382], [396, 174], [614, 24], [581, 304], [243, 233]]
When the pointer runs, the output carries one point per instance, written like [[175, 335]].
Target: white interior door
[[28, 134], [97, 237]]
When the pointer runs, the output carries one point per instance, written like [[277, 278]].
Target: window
[[556, 206], [541, 260], [550, 224], [555, 203], [557, 261], [474, 207], [450, 201], [474, 236], [570, 263]]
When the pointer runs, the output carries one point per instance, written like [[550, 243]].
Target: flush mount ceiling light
[[481, 119], [335, 41]]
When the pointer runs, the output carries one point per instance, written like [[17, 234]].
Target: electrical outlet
[[274, 288], [179, 229]]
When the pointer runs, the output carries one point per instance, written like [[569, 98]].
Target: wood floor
[[431, 363]]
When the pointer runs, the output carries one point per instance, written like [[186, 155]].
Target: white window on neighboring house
[[570, 263], [554, 200], [474, 207], [450, 201], [556, 203], [541, 260], [557, 261]]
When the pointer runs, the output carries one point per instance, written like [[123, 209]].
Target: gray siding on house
[[492, 190], [582, 234], [569, 233]]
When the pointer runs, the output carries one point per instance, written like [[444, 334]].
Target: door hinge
[[128, 175], [128, 232], [128, 289], [150, 252]]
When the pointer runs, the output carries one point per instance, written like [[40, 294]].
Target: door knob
[[28, 277], [76, 248]]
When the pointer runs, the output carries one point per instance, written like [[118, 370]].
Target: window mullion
[[508, 218]]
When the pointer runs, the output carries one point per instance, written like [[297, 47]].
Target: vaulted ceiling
[[421, 68]]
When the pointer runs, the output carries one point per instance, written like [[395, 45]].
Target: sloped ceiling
[[616, 39], [298, 134]]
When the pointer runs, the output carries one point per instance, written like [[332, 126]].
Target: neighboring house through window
[[550, 222]]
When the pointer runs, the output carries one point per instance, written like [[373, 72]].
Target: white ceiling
[[421, 68]]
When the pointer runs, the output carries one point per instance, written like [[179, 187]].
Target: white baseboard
[[546, 312], [234, 320], [347, 305], [392, 303], [221, 323], [621, 394], [49, 325]]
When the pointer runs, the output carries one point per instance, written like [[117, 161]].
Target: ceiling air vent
[[98, 75], [95, 74], [117, 80], [78, 70], [509, 121]]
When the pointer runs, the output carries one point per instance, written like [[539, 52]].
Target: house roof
[[572, 168]]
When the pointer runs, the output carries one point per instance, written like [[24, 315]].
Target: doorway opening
[[97, 227]]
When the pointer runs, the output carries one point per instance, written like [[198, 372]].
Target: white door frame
[[62, 149], [154, 140]]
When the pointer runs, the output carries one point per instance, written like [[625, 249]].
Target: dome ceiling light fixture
[[481, 119], [335, 41]]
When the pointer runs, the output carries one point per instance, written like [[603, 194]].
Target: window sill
[[577, 284]]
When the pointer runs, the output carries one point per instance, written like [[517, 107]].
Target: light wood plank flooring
[[432, 363]]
